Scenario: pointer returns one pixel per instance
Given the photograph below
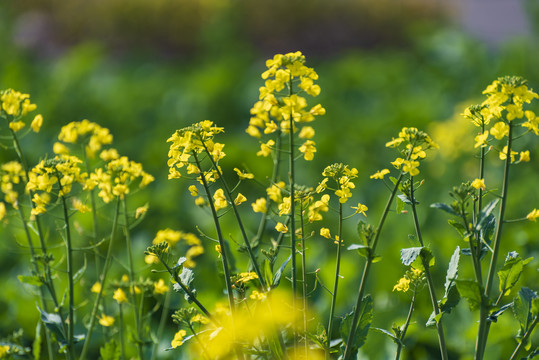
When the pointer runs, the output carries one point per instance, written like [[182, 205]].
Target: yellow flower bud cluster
[[13, 106], [11, 174], [412, 144], [85, 132], [343, 176], [194, 139], [280, 100], [411, 279], [172, 237]]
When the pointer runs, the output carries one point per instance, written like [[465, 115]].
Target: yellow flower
[[360, 209], [151, 259], [2, 210], [284, 207], [259, 206], [160, 287], [3, 350], [59, 148], [240, 199], [481, 139], [119, 296], [16, 125], [141, 210], [37, 123], [503, 154], [265, 148], [524, 156], [533, 215], [178, 339], [79, 206], [325, 233], [397, 163], [308, 150], [403, 285], [243, 175], [274, 191], [280, 227], [106, 320], [306, 132], [256, 295], [380, 174], [220, 199], [411, 167], [193, 190], [199, 201], [247, 276], [96, 287], [110, 154], [479, 184], [499, 130]]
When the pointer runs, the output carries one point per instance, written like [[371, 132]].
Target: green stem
[[238, 219], [122, 340], [484, 327], [304, 279], [366, 269], [71, 285], [524, 339], [103, 281], [162, 323], [220, 238], [138, 324], [405, 327], [425, 261], [336, 283]]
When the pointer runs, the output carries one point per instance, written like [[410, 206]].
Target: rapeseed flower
[[119, 296]]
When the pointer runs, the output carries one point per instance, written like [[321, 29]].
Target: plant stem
[[71, 285], [238, 219], [162, 323], [366, 269], [122, 340], [336, 283], [133, 293], [425, 261], [224, 256], [405, 327], [524, 339], [484, 326], [304, 279], [103, 281]]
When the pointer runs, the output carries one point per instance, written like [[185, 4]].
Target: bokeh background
[[146, 68]]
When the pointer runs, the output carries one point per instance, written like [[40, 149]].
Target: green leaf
[[30, 280], [268, 273], [400, 205], [433, 319], [36, 346], [54, 323], [409, 255], [470, 290], [279, 273], [405, 199], [362, 250], [461, 229], [78, 275], [493, 317], [522, 306], [395, 339], [364, 323], [425, 257], [484, 214], [110, 351], [535, 306], [444, 207], [393, 180], [511, 271], [452, 270]]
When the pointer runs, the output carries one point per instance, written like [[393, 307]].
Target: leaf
[[54, 323], [470, 290], [363, 325], [433, 319], [30, 280], [78, 275], [409, 255], [522, 306], [405, 199], [535, 307], [484, 214], [400, 205], [395, 339], [452, 269], [36, 346], [461, 229], [279, 273], [110, 351], [425, 257], [511, 271], [444, 207], [268, 273], [493, 317], [362, 250]]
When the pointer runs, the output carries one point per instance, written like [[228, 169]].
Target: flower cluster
[[171, 238], [63, 170], [280, 101], [85, 132], [412, 144], [343, 177], [411, 279], [15, 105], [194, 139], [114, 180], [504, 107], [11, 175]]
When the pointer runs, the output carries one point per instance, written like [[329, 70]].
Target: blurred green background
[[146, 68]]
